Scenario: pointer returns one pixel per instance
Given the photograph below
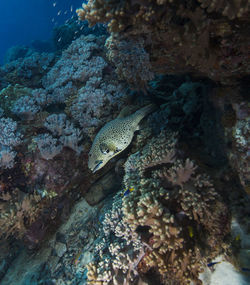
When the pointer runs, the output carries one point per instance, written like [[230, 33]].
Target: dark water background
[[22, 21]]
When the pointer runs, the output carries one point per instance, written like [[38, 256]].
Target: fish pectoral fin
[[127, 111]]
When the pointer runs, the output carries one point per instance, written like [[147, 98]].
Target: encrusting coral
[[206, 38]]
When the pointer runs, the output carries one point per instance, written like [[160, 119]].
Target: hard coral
[[118, 251], [171, 223], [178, 205], [181, 36], [130, 60]]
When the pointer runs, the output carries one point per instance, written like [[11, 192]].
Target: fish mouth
[[98, 166]]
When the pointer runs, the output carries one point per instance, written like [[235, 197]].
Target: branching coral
[[18, 213], [172, 222], [78, 79], [174, 202], [118, 251], [181, 36]]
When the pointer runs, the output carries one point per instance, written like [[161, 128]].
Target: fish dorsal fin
[[141, 113], [127, 110]]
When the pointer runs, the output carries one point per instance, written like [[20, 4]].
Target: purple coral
[[131, 61], [26, 107], [9, 138], [95, 102], [64, 134], [7, 158], [48, 146], [76, 65]]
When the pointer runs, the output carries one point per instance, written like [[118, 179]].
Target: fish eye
[[104, 149]]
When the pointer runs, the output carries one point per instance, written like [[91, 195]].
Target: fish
[[190, 231], [213, 263], [237, 238], [128, 191], [114, 137]]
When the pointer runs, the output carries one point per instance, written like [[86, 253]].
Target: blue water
[[22, 21]]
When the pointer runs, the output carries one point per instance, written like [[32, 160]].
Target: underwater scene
[[125, 142]]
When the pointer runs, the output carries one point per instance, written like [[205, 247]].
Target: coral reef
[[27, 71], [205, 38], [9, 138], [131, 61], [174, 202], [239, 155], [64, 135], [10, 94], [17, 52], [118, 251], [173, 222], [56, 117], [92, 104]]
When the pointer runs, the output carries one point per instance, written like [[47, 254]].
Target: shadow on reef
[[186, 107], [200, 111]]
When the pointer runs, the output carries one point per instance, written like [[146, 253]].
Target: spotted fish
[[114, 137]]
